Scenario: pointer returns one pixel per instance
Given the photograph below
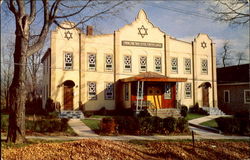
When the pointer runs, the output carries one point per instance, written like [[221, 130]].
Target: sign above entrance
[[142, 44]]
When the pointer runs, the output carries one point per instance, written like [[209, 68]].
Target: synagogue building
[[137, 66]]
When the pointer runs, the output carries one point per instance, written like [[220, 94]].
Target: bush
[[127, 124], [170, 124], [146, 125], [184, 111], [4, 122], [102, 111], [47, 125], [228, 124], [125, 112], [197, 109], [144, 113], [108, 126], [182, 125]]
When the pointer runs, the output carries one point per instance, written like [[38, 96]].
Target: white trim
[[224, 91], [246, 90]]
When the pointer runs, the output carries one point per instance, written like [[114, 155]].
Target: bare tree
[[234, 12], [241, 56], [224, 57], [25, 13]]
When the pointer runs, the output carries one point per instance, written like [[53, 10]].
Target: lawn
[[41, 127], [100, 116], [212, 123], [92, 124], [191, 116]]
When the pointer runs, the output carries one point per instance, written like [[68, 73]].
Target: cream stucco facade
[[195, 61]]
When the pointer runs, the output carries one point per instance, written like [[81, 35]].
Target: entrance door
[[68, 98], [154, 95], [205, 97]]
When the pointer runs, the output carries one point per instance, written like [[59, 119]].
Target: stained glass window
[[204, 66], [92, 90], [143, 63], [174, 65], [92, 62], [167, 93], [127, 63], [109, 63], [188, 90], [158, 64], [68, 61], [109, 91], [187, 63]]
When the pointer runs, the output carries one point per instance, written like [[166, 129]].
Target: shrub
[[197, 109], [228, 124], [47, 125], [144, 113], [127, 124], [125, 112], [108, 126], [146, 125], [184, 110], [170, 124], [182, 125], [4, 122], [102, 111]]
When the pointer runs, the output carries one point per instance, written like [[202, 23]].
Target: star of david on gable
[[68, 35], [203, 45], [143, 31]]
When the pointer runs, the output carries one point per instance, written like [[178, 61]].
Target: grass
[[212, 123], [54, 126], [92, 124], [191, 116], [99, 116]]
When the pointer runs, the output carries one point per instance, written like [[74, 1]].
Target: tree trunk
[[17, 91]]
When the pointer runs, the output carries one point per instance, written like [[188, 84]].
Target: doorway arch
[[205, 93], [68, 94]]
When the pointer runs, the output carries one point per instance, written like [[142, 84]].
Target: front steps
[[213, 110], [164, 113], [71, 114]]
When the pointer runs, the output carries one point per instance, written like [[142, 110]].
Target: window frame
[[245, 100], [64, 66], [185, 67], [175, 71], [167, 91], [105, 91], [105, 64], [124, 65], [155, 69], [140, 65], [92, 69], [224, 97], [204, 72], [95, 96], [188, 97]]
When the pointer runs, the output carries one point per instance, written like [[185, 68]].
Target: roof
[[231, 74], [152, 77]]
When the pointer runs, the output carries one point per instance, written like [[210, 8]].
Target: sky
[[182, 19]]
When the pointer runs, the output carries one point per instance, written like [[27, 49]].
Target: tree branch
[[32, 11]]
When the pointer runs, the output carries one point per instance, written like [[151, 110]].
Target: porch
[[152, 91]]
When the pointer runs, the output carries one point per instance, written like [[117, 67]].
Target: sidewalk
[[81, 129]]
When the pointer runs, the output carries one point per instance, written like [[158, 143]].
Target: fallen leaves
[[93, 149]]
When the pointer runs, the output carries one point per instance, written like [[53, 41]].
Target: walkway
[[81, 129]]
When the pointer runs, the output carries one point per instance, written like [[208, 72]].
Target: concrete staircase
[[213, 110], [71, 114], [164, 113]]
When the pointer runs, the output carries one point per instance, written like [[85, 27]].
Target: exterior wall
[[80, 45], [236, 101], [59, 46]]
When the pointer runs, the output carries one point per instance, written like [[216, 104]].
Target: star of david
[[143, 31], [68, 35], [203, 45]]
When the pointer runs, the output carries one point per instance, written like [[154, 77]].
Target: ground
[[134, 150]]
